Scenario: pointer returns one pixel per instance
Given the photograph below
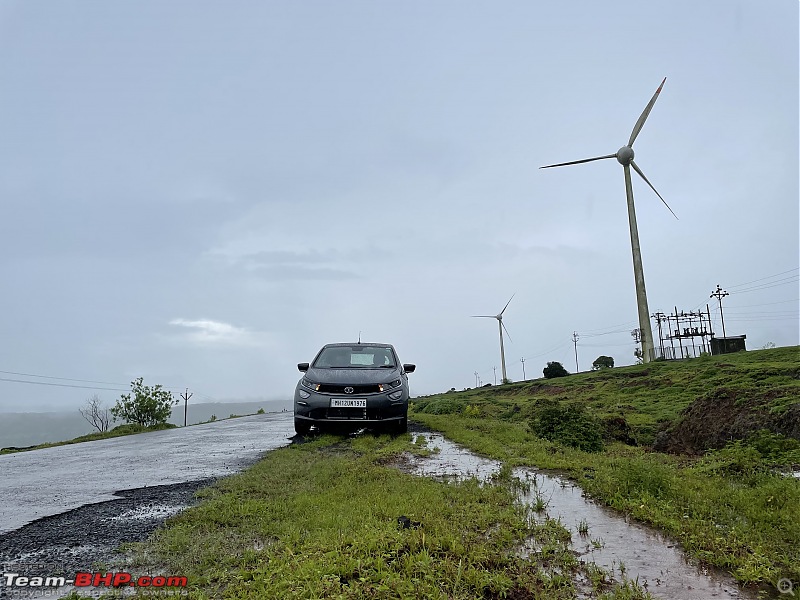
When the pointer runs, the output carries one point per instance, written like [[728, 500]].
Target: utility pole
[[719, 294], [575, 338], [495, 374], [522, 360], [186, 397]]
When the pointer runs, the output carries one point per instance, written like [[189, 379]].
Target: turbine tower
[[625, 157], [499, 318]]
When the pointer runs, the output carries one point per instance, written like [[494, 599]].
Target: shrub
[[145, 405], [603, 362], [554, 369], [568, 425]]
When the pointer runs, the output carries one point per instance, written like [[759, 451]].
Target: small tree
[[95, 413], [602, 362], [145, 405], [554, 369]]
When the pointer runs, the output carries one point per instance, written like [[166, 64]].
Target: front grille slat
[[347, 413], [327, 388]]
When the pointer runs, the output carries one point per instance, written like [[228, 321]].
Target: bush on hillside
[[554, 369], [603, 362], [568, 425]]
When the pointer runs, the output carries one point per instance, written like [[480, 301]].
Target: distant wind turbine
[[625, 157], [499, 318]]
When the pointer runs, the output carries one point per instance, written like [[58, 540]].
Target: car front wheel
[[400, 426], [301, 427]]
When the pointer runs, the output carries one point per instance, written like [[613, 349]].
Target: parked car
[[353, 385]]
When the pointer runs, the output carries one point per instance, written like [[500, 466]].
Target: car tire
[[401, 426], [301, 427]]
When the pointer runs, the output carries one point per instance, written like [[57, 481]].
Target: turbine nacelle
[[625, 155]]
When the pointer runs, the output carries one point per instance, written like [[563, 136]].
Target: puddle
[[150, 512], [599, 534]]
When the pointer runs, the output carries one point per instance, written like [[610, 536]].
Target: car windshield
[[355, 357]]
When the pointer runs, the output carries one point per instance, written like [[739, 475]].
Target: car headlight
[[310, 385], [396, 395], [383, 387], [303, 394]]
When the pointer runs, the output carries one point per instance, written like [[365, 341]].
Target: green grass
[[319, 520], [646, 396], [745, 522], [728, 508]]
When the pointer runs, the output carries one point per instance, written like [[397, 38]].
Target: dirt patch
[[721, 417]]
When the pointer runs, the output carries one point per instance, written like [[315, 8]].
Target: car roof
[[346, 344]]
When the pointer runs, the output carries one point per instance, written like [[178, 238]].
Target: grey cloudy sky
[[204, 193]]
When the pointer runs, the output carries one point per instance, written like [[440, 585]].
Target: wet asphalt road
[[51, 481], [68, 509]]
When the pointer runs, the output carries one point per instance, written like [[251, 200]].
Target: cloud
[[208, 332]]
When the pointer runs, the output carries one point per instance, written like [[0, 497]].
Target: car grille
[[327, 388], [347, 413], [355, 414]]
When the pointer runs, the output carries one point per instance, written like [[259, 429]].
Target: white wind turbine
[[625, 157], [499, 318]]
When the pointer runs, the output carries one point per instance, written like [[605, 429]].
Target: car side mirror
[[409, 368], [302, 367]]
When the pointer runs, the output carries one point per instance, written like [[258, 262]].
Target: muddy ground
[[722, 416]]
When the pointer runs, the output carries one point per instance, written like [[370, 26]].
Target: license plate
[[348, 403]]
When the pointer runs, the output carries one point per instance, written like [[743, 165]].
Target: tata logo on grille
[[348, 390]]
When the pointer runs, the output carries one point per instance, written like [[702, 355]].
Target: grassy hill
[[730, 427], [745, 392]]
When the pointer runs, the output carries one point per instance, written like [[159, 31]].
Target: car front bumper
[[379, 409]]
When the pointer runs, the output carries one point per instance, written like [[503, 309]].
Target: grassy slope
[[651, 395], [319, 520], [726, 508]]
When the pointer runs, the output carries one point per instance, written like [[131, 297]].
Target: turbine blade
[[507, 303], [506, 330], [484, 316], [639, 171], [640, 123], [576, 162]]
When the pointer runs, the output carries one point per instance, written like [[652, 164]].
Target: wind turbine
[[625, 157], [499, 318]]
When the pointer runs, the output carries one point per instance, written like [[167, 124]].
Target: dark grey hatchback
[[353, 385]]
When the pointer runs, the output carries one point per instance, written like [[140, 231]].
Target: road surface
[[51, 481]]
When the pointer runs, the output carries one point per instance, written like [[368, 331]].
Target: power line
[[763, 278], [766, 303], [83, 387], [62, 378], [125, 386], [767, 287]]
